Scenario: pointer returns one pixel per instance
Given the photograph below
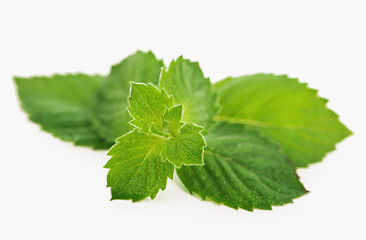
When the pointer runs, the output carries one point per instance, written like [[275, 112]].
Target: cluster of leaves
[[237, 142]]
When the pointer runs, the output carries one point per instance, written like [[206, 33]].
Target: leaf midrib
[[260, 124]]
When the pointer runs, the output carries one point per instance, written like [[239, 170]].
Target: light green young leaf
[[242, 170], [147, 105], [185, 81], [153, 111], [285, 111], [172, 120], [137, 168], [109, 110], [186, 147], [61, 105]]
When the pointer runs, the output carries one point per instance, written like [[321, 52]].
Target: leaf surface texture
[[242, 170], [284, 110], [61, 105]]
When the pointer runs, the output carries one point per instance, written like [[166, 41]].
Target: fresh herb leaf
[[110, 117], [61, 105], [186, 147], [242, 170], [285, 111], [137, 168], [185, 81], [172, 120], [147, 107]]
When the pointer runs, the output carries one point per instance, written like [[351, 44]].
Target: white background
[[50, 189]]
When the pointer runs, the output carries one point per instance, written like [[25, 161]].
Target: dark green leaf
[[61, 105], [242, 170]]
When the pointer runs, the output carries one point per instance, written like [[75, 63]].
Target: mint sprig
[[236, 143], [143, 159]]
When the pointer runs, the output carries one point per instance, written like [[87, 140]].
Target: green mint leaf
[[153, 112], [110, 117], [242, 170], [185, 81], [147, 106], [61, 105], [172, 120], [285, 111], [137, 169], [186, 147]]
